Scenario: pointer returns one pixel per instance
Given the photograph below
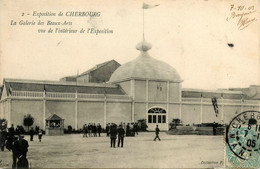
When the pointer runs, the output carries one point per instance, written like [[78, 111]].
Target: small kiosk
[[54, 125]]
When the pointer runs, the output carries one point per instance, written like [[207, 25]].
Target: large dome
[[145, 67]]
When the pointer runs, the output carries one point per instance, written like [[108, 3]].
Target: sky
[[193, 36]]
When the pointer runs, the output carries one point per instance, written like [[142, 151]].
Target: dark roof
[[62, 87], [97, 66], [73, 77], [54, 117], [251, 93]]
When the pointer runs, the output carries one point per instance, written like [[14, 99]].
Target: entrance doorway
[[157, 115]]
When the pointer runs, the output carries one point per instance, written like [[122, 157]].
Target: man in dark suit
[[121, 135], [20, 149], [99, 128], [113, 133], [157, 130], [31, 132]]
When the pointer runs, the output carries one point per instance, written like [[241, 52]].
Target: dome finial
[[143, 46]]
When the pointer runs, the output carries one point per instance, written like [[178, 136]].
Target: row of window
[[156, 118]]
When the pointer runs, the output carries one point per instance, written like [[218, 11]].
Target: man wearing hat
[[121, 134], [20, 149]]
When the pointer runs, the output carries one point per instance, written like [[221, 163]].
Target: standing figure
[[107, 130], [20, 149], [3, 138], [99, 128], [89, 129], [31, 132], [11, 130], [40, 135], [85, 130], [128, 129], [121, 135], [215, 126], [10, 138], [113, 133], [157, 130], [37, 128], [94, 130], [135, 128], [17, 130]]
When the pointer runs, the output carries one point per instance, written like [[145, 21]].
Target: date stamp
[[243, 140], [243, 15]]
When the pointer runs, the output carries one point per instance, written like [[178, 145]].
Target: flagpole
[[143, 23]]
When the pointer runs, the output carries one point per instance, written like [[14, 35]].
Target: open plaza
[[74, 151]]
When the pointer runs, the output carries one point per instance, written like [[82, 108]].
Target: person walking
[[113, 133], [157, 130], [31, 132], [40, 135], [121, 135]]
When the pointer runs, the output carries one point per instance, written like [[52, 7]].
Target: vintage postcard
[[129, 84]]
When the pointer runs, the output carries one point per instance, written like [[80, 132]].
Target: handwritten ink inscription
[[243, 15]]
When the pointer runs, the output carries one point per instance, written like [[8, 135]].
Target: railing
[[191, 99], [123, 97], [110, 96], [60, 95], [67, 95], [91, 96], [26, 94]]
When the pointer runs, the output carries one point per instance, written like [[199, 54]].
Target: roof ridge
[[48, 82]]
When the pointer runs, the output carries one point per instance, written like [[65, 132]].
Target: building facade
[[144, 88]]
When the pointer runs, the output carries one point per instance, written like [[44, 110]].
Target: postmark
[[243, 139]]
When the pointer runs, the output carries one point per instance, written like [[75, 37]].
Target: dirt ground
[[74, 151]]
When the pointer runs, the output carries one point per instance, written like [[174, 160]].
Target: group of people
[[14, 140], [115, 131], [37, 131], [91, 130], [130, 129]]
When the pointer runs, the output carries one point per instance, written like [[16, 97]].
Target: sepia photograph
[[129, 84]]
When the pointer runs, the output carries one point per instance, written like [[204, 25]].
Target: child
[[40, 135]]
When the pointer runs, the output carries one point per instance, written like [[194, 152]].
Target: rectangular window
[[159, 119], [163, 119], [150, 119], [154, 118]]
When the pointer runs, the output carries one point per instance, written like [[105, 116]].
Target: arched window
[[156, 115]]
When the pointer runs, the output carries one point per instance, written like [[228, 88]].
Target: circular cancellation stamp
[[243, 137]]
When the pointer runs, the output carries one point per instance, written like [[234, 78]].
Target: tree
[[142, 124], [28, 120]]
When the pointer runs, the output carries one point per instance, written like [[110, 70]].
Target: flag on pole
[[215, 105], [10, 90], [147, 6]]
